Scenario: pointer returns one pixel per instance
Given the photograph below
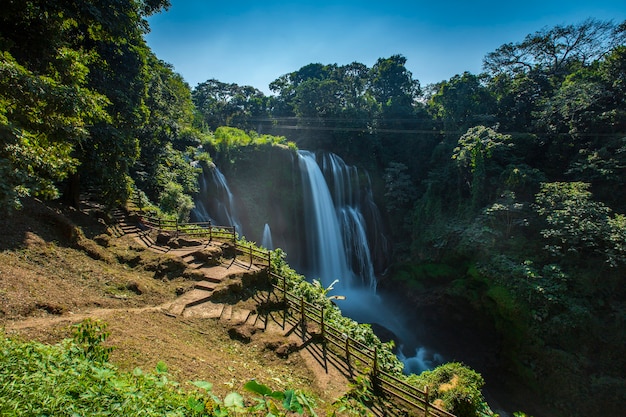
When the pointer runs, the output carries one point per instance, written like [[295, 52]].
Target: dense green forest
[[514, 177]]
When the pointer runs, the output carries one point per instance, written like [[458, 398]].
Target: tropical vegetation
[[513, 176]]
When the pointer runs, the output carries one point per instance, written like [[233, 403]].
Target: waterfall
[[422, 361], [215, 202], [266, 241], [324, 239], [336, 234], [338, 204]]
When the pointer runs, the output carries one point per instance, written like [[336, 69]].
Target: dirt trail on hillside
[[51, 280]]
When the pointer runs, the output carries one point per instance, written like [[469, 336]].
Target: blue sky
[[255, 42]]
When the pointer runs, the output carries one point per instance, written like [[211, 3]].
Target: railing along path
[[359, 358]]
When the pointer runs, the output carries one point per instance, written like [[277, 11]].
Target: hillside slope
[[53, 275]]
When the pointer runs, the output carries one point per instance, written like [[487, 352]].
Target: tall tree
[[462, 102], [223, 104], [553, 50], [99, 47]]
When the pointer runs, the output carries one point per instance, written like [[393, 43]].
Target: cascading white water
[[339, 247], [324, 239], [266, 240], [215, 201], [341, 232]]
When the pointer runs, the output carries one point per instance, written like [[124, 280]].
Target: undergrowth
[[74, 378]]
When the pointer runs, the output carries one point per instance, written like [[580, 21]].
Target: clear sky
[[253, 42]]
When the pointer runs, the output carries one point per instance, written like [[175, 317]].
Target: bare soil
[[59, 266]]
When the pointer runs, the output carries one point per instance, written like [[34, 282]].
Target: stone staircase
[[195, 303]]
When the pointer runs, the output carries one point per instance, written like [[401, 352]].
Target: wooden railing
[[359, 358], [205, 230]]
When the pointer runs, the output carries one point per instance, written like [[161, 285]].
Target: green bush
[[455, 387], [73, 378]]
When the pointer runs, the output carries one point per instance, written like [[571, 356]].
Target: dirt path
[[46, 288]]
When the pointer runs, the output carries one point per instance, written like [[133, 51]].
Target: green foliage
[[474, 154], [173, 200], [75, 378], [291, 400], [356, 401], [228, 139], [37, 379], [89, 337], [578, 225], [462, 102], [222, 104], [400, 196], [456, 386], [41, 121]]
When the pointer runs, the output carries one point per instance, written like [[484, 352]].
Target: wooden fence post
[[375, 369], [210, 232], [426, 401], [348, 353], [303, 319], [285, 304], [323, 338]]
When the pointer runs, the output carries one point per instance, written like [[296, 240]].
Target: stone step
[[206, 310], [239, 316], [197, 296], [252, 319], [176, 309], [195, 264], [205, 285], [227, 313], [212, 279], [188, 258]]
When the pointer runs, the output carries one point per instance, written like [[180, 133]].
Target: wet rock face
[[453, 327]]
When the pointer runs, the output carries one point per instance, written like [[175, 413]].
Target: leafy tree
[[554, 50], [167, 133], [578, 226], [41, 121], [506, 213], [174, 200], [222, 104], [475, 149], [462, 102], [518, 96], [90, 47]]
